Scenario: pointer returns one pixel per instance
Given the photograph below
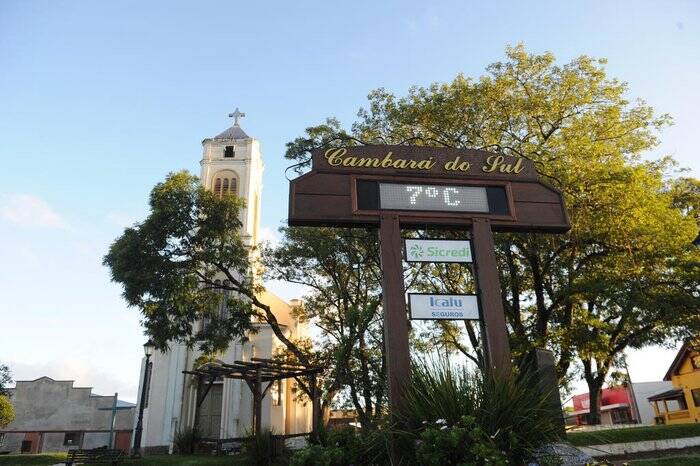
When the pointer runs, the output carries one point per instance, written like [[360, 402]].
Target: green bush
[[345, 446], [463, 443], [511, 413], [186, 440], [263, 449]]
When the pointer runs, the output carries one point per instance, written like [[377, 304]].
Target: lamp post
[[148, 351]]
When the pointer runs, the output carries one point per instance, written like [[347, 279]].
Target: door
[[209, 416], [122, 440]]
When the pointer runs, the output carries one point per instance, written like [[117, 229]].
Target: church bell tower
[[232, 163]]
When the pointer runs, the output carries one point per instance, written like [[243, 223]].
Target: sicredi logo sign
[[443, 306], [437, 250]]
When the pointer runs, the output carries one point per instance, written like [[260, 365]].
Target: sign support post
[[496, 346], [397, 353]]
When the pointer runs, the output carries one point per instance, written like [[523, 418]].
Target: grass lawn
[[53, 458], [670, 461], [635, 434]]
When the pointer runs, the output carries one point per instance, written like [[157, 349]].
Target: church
[[231, 163]]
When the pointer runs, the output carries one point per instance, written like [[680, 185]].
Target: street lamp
[[148, 349]]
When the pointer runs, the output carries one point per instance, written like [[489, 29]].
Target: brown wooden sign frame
[[328, 196]]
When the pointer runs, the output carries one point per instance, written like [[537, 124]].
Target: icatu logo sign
[[447, 307], [437, 250]]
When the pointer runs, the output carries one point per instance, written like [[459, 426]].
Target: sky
[[100, 100]]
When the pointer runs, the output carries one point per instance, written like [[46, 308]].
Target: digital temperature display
[[378, 195]]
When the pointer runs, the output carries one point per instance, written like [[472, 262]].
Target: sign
[[443, 306], [395, 187], [431, 160], [438, 186], [437, 250]]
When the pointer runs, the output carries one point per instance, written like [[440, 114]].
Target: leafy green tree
[[5, 380], [7, 412], [626, 274], [184, 261], [341, 270]]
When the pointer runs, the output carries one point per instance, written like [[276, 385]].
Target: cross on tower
[[236, 115]]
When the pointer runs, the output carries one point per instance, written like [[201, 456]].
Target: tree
[[624, 275], [185, 263], [7, 412], [5, 380], [341, 270]]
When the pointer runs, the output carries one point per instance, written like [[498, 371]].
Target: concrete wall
[[50, 408], [642, 391], [47, 404]]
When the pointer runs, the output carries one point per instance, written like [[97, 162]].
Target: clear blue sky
[[99, 100]]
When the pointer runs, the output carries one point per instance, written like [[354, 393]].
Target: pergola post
[[257, 403], [315, 408]]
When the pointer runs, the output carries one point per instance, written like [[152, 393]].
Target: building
[[53, 415], [680, 404], [231, 163], [619, 405]]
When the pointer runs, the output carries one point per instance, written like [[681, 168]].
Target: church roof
[[234, 132]]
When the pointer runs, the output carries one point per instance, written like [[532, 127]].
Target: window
[[72, 438], [225, 182], [229, 152], [696, 396]]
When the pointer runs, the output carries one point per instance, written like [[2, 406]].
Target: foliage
[[462, 443], [626, 274], [188, 271], [263, 449], [150, 460], [450, 416], [345, 446], [7, 411], [634, 434], [341, 269], [186, 440], [511, 412], [5, 380]]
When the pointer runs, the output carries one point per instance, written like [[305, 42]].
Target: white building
[[231, 162]]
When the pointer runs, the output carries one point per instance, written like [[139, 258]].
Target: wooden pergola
[[256, 373]]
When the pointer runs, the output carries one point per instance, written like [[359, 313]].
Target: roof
[[667, 395], [678, 360], [602, 408], [234, 132]]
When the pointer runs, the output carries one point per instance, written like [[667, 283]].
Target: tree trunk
[[594, 397]]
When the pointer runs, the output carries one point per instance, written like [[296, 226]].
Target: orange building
[[681, 404]]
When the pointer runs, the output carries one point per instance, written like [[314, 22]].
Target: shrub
[[263, 449], [7, 412], [511, 412], [186, 440], [464, 443], [450, 416], [345, 446]]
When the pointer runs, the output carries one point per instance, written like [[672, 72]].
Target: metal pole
[[633, 397], [496, 346], [111, 424], [139, 423]]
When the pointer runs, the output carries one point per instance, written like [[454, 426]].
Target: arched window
[[225, 182]]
